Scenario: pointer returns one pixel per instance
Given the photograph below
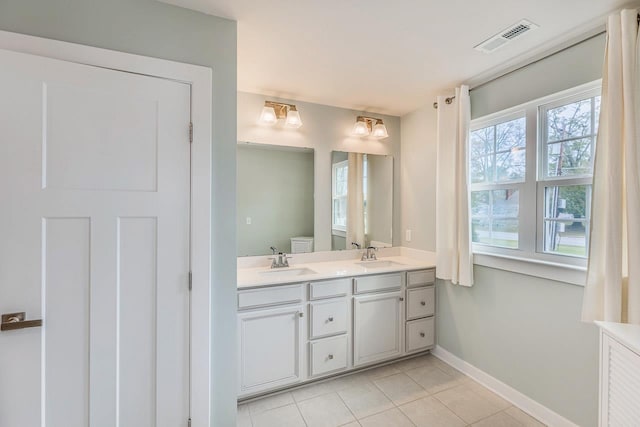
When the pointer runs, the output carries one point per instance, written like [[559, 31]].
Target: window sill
[[339, 233], [574, 275]]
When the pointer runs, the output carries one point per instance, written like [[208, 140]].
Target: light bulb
[[379, 130], [360, 128], [268, 115], [293, 118]]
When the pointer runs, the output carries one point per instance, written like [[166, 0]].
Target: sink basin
[[287, 272], [379, 264]]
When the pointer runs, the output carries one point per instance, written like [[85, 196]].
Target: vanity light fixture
[[274, 111], [366, 126]]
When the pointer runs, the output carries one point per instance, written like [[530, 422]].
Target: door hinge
[[190, 132], [189, 422], [190, 280]]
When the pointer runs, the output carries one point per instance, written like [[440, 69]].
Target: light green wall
[[275, 189], [570, 68], [522, 330], [151, 28], [526, 332]]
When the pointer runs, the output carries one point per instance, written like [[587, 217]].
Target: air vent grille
[[516, 31], [505, 36]]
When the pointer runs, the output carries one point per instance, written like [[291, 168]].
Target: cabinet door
[[270, 349], [378, 321]]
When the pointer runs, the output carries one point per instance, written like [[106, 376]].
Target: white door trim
[[200, 79]]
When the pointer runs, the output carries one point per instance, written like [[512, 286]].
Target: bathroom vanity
[[320, 319]]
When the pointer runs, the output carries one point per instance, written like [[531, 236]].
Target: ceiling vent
[[505, 36]]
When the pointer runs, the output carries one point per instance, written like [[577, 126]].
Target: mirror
[[362, 200], [275, 199]]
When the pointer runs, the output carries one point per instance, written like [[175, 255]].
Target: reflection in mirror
[[275, 199], [362, 200]]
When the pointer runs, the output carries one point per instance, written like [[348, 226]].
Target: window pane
[[511, 166], [569, 158], [499, 232], [566, 238], [567, 211], [569, 121], [482, 146], [482, 169], [495, 217], [597, 102], [511, 134]]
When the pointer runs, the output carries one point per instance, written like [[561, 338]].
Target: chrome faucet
[[356, 245], [370, 254], [279, 260]]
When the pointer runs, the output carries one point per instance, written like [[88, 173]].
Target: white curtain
[[454, 260], [612, 291], [355, 200]]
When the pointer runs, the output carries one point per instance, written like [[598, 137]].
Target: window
[[339, 195], [531, 170]]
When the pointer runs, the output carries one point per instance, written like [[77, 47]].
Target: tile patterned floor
[[418, 392]]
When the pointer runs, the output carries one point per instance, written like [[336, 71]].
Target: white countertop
[[627, 334], [252, 277]]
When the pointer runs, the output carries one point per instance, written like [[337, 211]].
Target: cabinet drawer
[[329, 288], [328, 355], [421, 302], [328, 318], [420, 334], [420, 278], [382, 282], [265, 297]]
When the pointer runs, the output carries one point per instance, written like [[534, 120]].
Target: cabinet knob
[[330, 319], [422, 334], [330, 357], [401, 299], [423, 303], [301, 314]]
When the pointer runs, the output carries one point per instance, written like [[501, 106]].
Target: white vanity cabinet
[[290, 334], [377, 327], [270, 340]]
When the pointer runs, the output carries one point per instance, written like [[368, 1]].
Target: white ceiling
[[386, 56]]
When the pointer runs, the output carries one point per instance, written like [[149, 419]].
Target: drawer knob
[[330, 357], [423, 303], [330, 319], [301, 314], [401, 299], [422, 334]]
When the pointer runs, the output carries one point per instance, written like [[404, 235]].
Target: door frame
[[200, 80]]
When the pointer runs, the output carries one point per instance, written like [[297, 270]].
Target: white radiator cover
[[619, 375]]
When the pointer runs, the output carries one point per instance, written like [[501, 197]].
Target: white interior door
[[94, 240]]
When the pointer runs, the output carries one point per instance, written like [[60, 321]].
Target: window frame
[[531, 243]]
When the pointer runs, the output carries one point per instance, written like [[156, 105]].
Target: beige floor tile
[[489, 395], [416, 362], [365, 400], [400, 389], [325, 411], [285, 416], [429, 412], [500, 419], [312, 390], [524, 418], [467, 404], [270, 402], [243, 418], [353, 424], [433, 379], [392, 417], [349, 381], [381, 372]]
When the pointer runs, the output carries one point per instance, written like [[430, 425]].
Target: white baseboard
[[525, 403]]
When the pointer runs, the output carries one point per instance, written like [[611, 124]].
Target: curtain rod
[[447, 101]]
